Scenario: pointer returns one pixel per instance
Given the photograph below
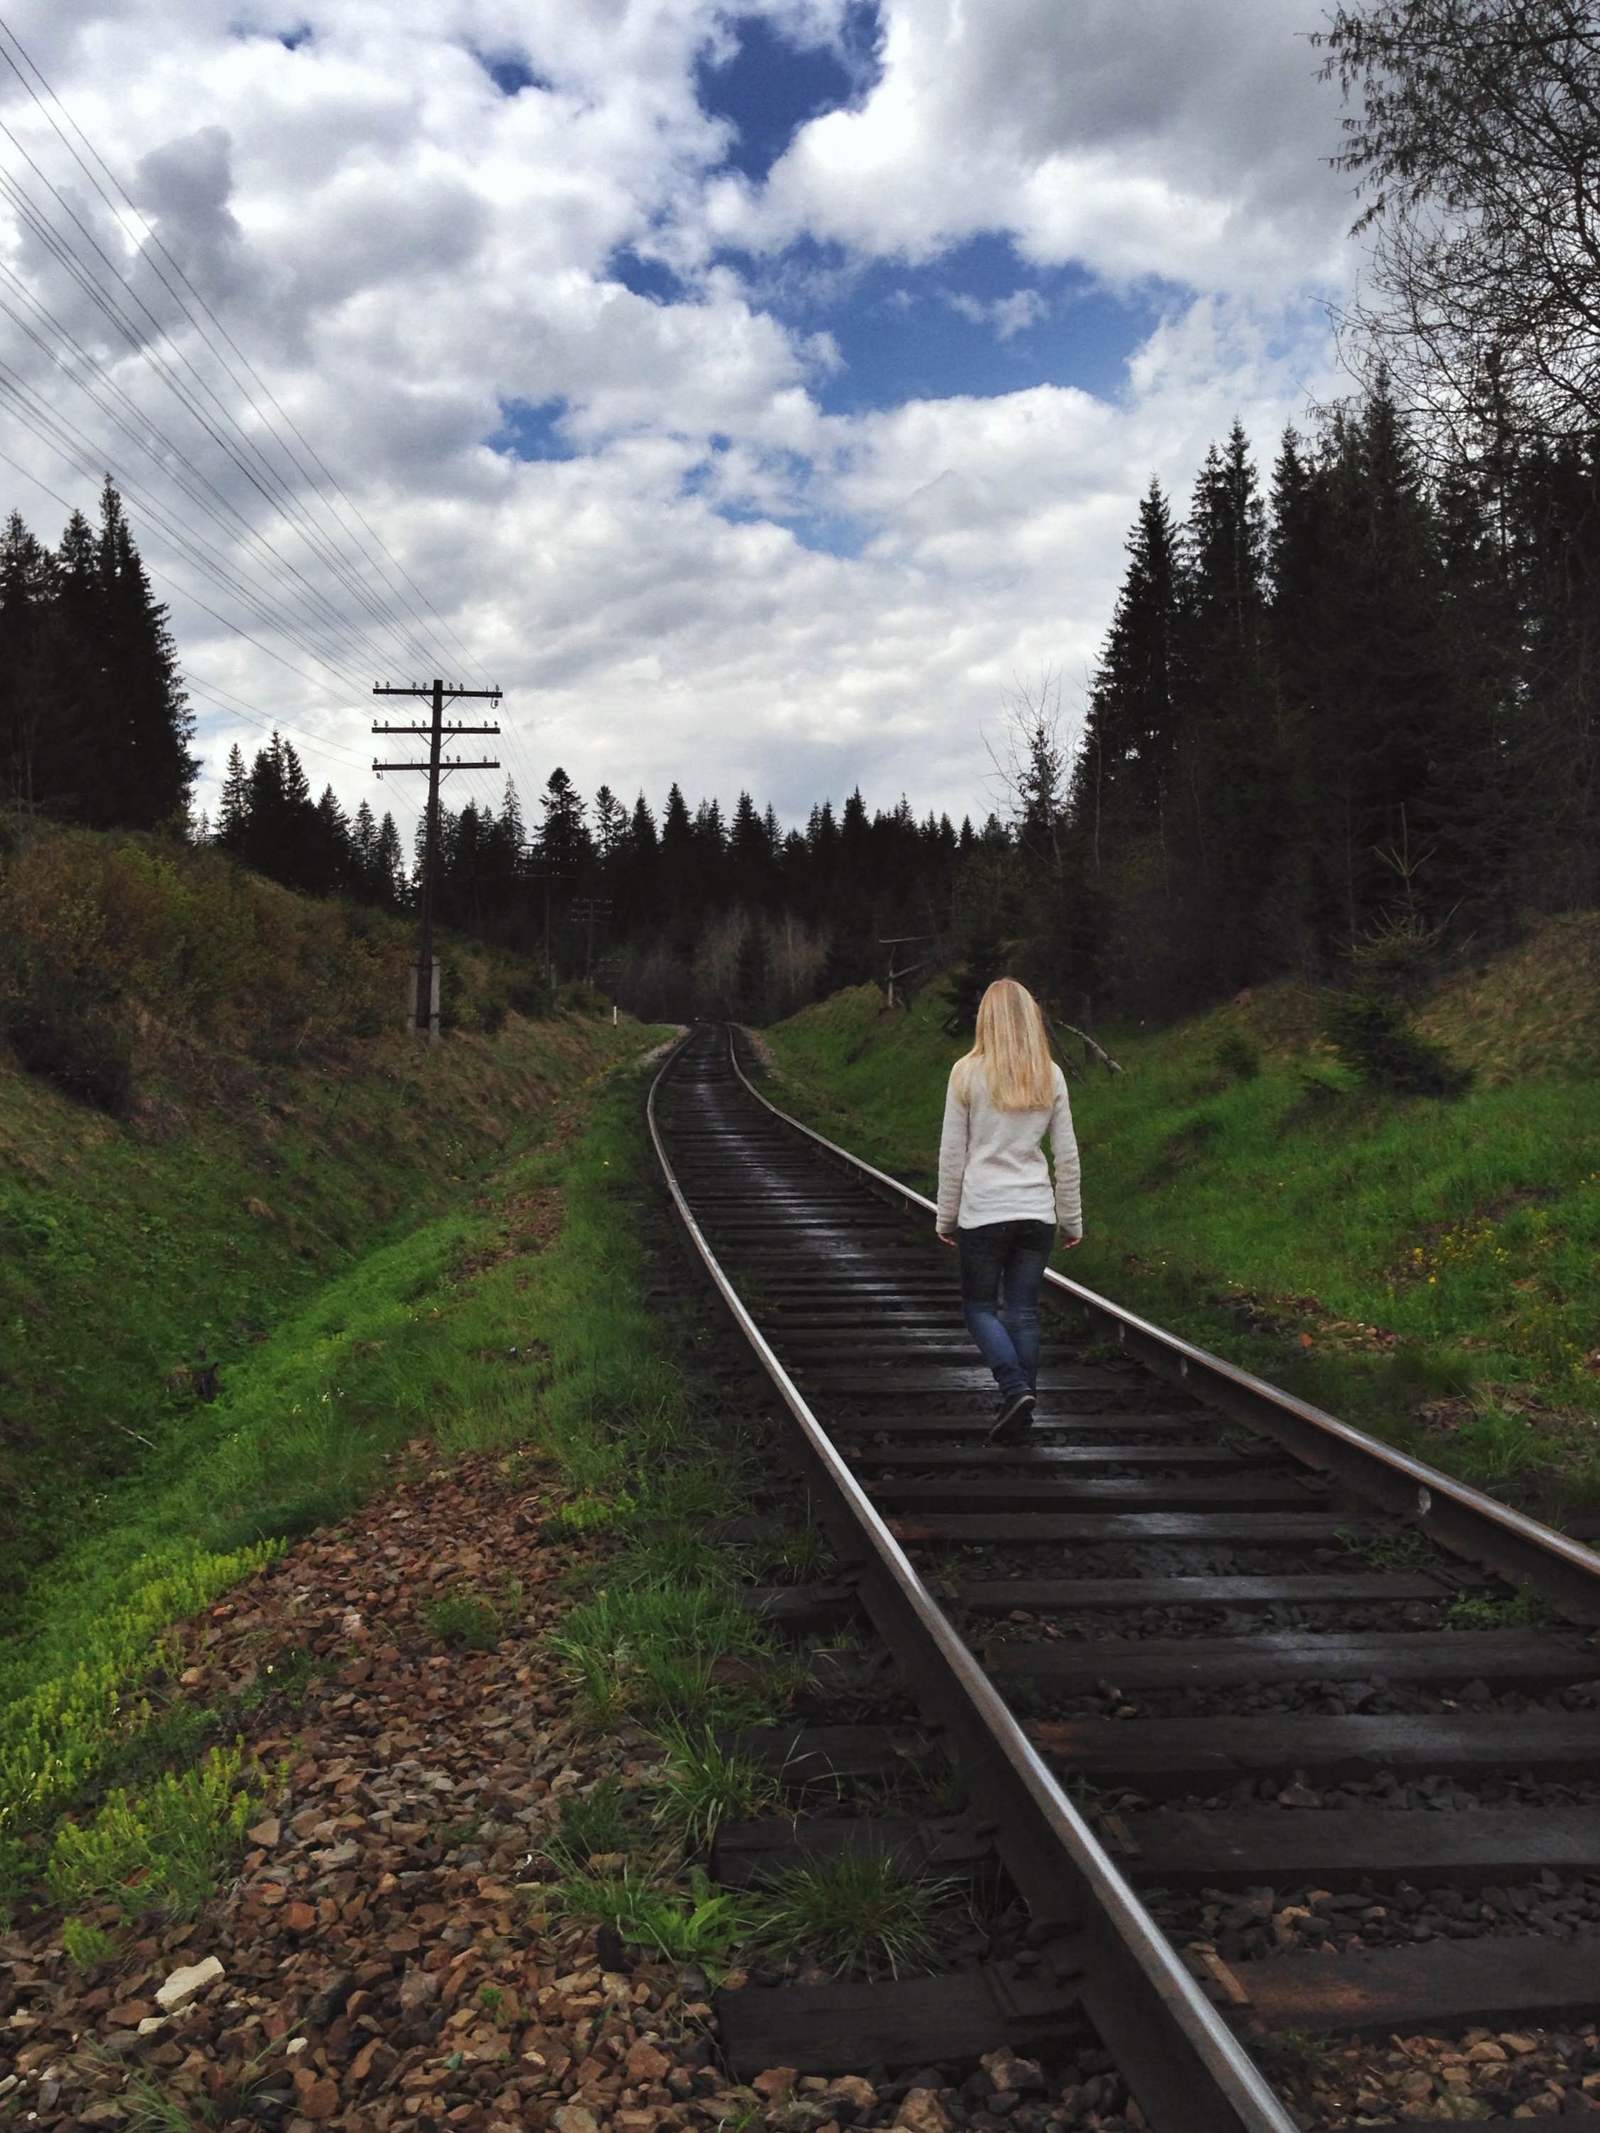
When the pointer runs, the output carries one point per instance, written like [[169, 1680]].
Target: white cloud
[[404, 252], [1170, 140], [1008, 315]]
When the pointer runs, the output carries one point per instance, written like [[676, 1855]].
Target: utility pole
[[897, 969], [437, 767], [592, 910], [546, 870]]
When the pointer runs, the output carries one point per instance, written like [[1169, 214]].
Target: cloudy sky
[[760, 395]]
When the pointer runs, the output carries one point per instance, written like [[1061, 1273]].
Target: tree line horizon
[[1355, 703]]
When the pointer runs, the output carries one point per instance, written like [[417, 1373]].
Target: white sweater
[[992, 1166]]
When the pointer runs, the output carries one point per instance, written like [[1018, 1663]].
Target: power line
[[96, 382], [78, 462], [156, 245], [68, 255], [72, 445], [129, 331]]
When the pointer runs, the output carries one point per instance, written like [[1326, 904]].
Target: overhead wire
[[156, 246], [52, 432], [73, 446], [84, 279], [251, 713], [67, 255]]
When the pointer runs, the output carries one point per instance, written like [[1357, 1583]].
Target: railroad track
[[1196, 1644]]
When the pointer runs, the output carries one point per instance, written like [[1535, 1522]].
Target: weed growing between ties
[[1429, 1269], [704, 1783], [858, 1912], [664, 1637]]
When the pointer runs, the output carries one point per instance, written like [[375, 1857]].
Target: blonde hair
[[1011, 1049]]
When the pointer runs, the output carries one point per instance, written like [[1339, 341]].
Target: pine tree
[[1382, 691], [610, 823], [266, 813], [143, 717], [391, 883], [81, 782], [233, 811], [32, 768], [563, 835], [329, 856], [1121, 783], [1233, 822], [364, 868]]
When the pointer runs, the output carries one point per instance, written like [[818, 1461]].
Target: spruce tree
[[1232, 824], [391, 882], [33, 770], [141, 713], [610, 823], [233, 810], [82, 779], [330, 867], [563, 834], [365, 881]]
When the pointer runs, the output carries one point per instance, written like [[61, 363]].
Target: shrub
[[855, 1911], [167, 1847], [464, 1619], [1371, 1034], [1237, 1058], [86, 1946], [73, 1042]]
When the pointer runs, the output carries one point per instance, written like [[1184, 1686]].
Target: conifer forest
[[1346, 709]]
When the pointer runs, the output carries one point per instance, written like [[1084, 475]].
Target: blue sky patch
[[531, 429], [978, 320], [826, 532], [768, 87], [645, 277], [510, 72]]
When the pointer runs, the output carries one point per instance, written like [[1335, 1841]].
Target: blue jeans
[[1002, 1271]]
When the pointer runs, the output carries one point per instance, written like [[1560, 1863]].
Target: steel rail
[[1457, 1516], [1187, 2068]]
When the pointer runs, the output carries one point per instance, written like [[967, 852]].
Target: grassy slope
[[479, 1327], [1430, 1269], [124, 1254]]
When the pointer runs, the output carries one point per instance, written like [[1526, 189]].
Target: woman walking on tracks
[[995, 1198]]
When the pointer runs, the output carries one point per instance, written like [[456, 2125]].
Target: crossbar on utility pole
[[437, 766], [897, 969], [591, 910]]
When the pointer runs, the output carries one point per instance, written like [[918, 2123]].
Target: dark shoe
[[1015, 1419]]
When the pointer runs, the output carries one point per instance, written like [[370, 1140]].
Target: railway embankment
[[335, 1846], [1428, 1267], [208, 1113]]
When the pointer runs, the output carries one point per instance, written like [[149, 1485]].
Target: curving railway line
[[1196, 1645]]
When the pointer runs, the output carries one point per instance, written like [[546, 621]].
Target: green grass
[[128, 1251], [703, 1784], [1522, 1609], [417, 1339], [596, 1822], [1420, 1266], [166, 1848], [657, 1648], [695, 1923], [856, 1912], [466, 1620], [86, 1945]]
